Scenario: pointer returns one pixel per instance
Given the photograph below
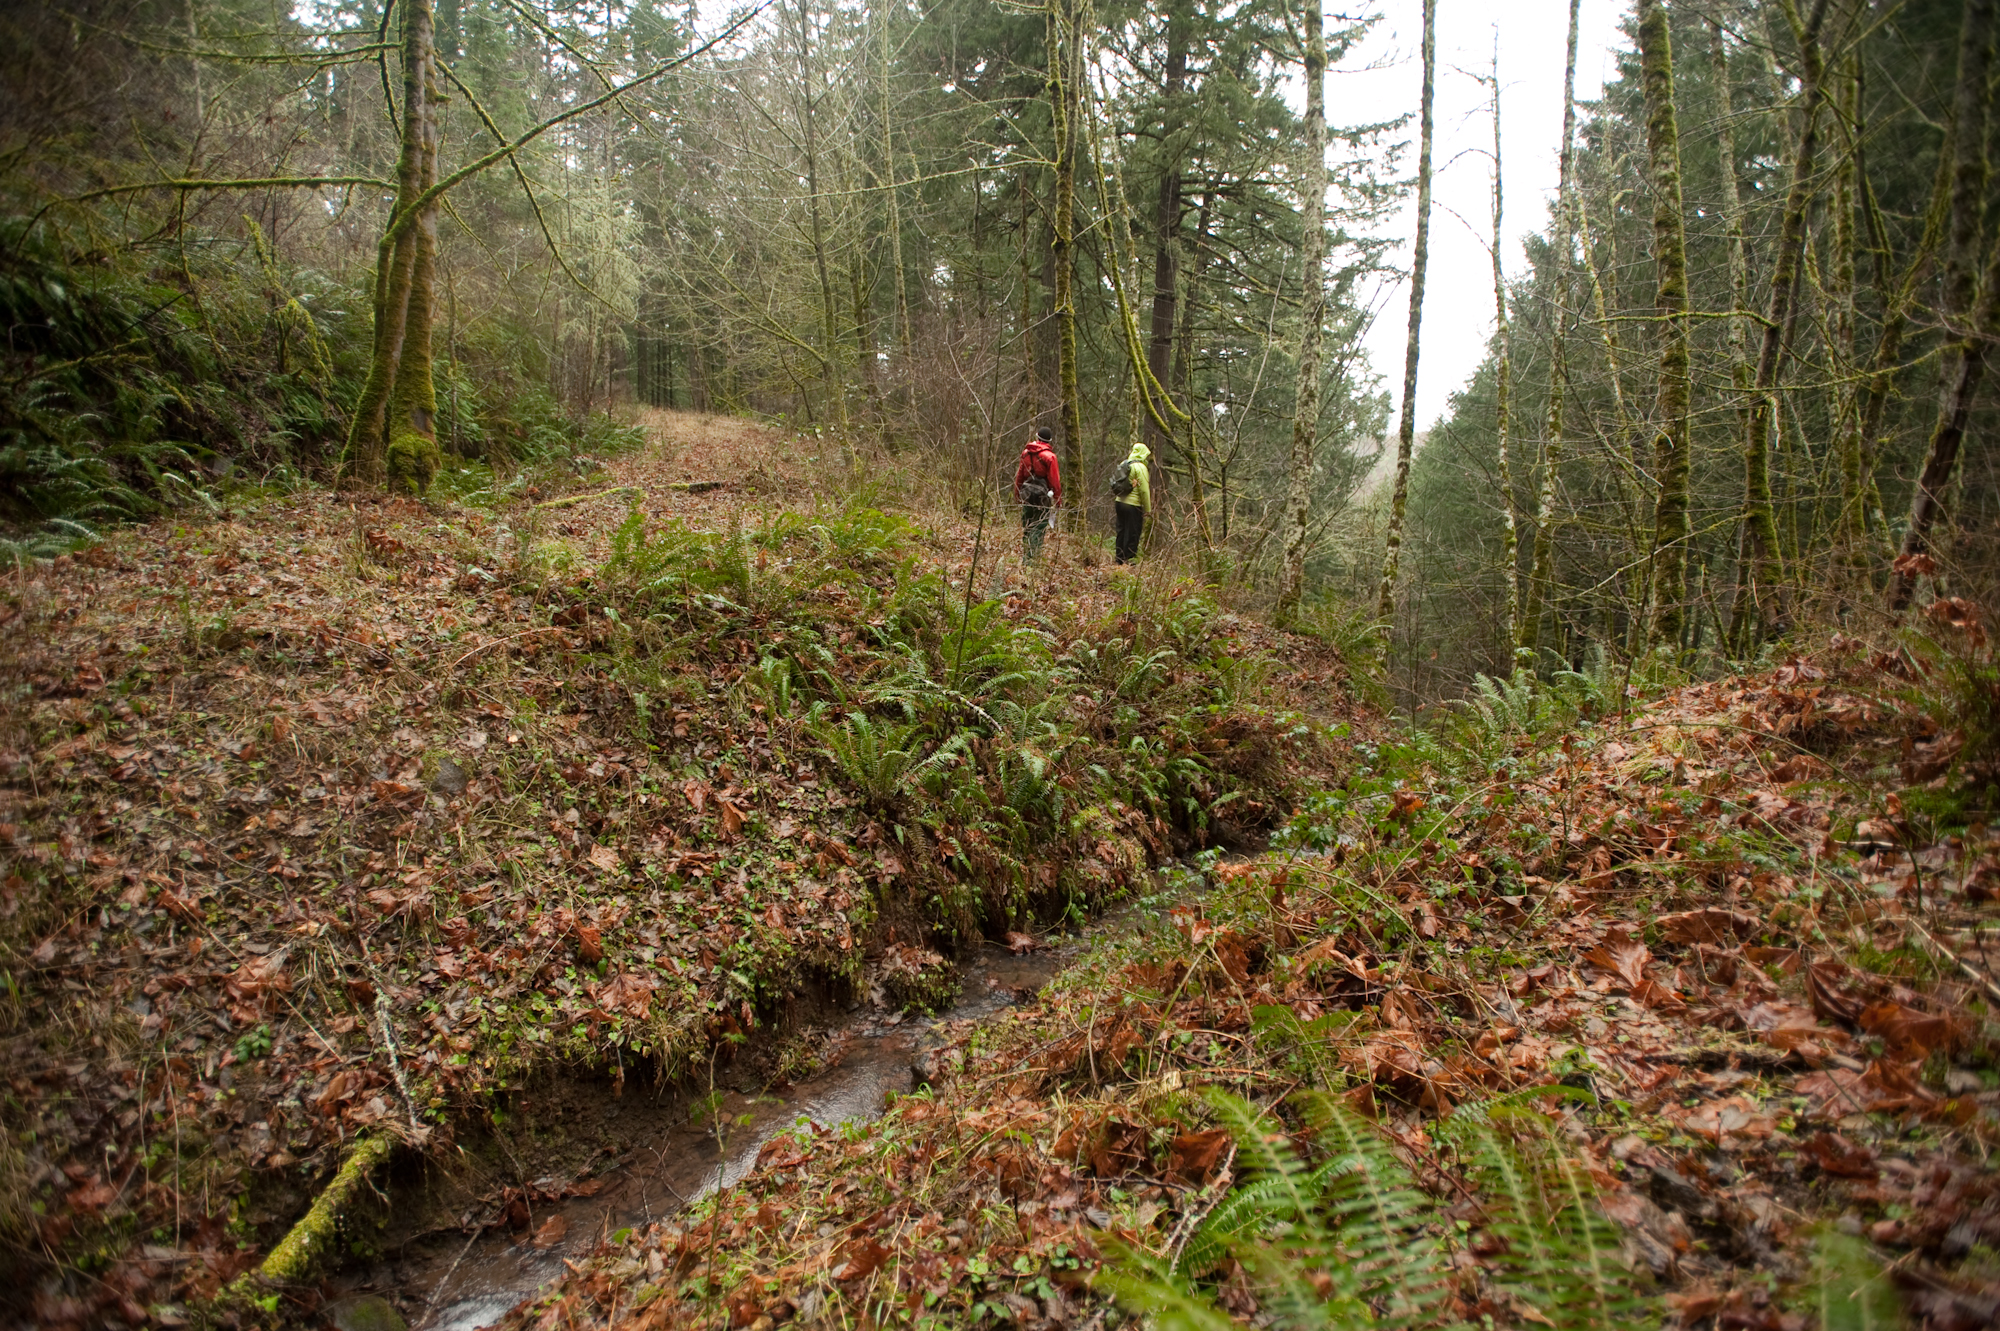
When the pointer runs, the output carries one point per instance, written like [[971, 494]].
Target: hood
[[1140, 453]]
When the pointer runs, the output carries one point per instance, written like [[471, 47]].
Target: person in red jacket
[[1037, 489]]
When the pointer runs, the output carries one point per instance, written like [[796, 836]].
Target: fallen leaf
[[1836, 1155], [605, 858], [1625, 959], [1711, 924], [551, 1232], [1907, 1032], [1193, 1156], [864, 1257], [733, 818]]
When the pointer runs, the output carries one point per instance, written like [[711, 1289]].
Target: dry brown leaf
[[1194, 1156], [1711, 924]]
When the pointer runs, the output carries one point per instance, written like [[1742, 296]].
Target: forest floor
[[1605, 1000], [1708, 960], [331, 820]]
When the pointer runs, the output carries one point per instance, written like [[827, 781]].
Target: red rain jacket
[[1038, 459]]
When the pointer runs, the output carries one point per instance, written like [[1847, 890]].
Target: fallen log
[[298, 1254]]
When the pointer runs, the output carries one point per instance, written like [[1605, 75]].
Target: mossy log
[[298, 1255]]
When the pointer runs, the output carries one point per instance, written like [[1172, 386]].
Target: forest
[[547, 779]]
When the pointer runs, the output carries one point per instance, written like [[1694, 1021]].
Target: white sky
[[1458, 290]]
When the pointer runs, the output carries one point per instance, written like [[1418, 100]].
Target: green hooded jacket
[[1142, 484]]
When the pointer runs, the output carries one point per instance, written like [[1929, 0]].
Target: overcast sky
[[1458, 299]]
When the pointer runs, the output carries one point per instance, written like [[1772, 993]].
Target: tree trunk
[[1065, 78], [1542, 561], [1313, 181], [830, 354], [389, 391], [1897, 296], [1757, 576], [1670, 443], [1167, 226], [1850, 528], [1504, 382], [1964, 353], [1406, 425]]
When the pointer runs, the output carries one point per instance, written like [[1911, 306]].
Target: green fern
[[875, 757], [1354, 1242], [1556, 1253]]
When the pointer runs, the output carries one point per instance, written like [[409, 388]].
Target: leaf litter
[[340, 815], [1670, 929]]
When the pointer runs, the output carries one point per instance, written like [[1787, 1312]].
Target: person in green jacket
[[1132, 492]]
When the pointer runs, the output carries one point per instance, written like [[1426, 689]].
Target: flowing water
[[445, 1281]]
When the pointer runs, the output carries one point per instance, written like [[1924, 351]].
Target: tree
[[1967, 331], [1542, 556], [1313, 179], [1406, 426], [1757, 575], [1670, 440]]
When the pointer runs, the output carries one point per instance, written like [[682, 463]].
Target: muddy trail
[[656, 1152]]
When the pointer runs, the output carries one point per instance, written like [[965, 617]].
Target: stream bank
[[652, 1153]]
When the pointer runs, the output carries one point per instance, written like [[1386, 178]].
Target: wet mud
[[639, 1157]]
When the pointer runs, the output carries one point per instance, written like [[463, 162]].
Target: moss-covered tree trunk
[[1670, 440], [1313, 181], [1406, 425], [1541, 563], [1759, 592], [1966, 329], [393, 435]]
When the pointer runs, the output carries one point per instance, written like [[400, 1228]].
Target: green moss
[[298, 1254], [413, 461]]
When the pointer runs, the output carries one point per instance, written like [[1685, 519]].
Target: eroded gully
[[660, 1160]]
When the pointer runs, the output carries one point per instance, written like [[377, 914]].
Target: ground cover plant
[[331, 822], [1630, 1004]]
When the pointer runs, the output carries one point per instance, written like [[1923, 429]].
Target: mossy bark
[[392, 435], [1670, 441], [297, 1256], [1503, 377], [1313, 180], [1758, 578], [1065, 41]]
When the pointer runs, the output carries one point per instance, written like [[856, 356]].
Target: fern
[[1352, 1242], [875, 757], [1556, 1253]]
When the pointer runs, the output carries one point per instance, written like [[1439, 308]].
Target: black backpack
[[1036, 492], [1121, 481]]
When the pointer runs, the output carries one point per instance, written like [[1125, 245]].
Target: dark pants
[[1035, 520], [1131, 525]]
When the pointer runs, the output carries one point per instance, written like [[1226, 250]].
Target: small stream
[[447, 1282]]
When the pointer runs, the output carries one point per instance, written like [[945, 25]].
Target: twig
[[526, 633], [418, 1132], [567, 500], [1984, 981], [437, 1290]]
